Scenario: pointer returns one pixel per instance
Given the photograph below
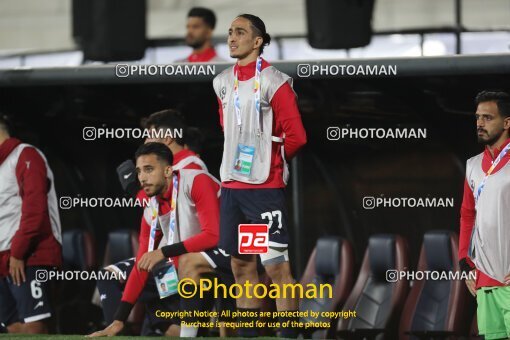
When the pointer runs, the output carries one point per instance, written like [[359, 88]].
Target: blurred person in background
[[30, 235], [199, 31], [194, 140]]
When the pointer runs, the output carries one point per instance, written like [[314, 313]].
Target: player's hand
[[112, 330], [17, 270], [507, 280], [150, 259], [471, 285]]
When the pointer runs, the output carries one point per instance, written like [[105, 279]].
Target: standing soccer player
[[263, 131], [30, 235], [485, 217]]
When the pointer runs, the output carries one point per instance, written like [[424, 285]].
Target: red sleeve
[[220, 111], [287, 115], [136, 280], [467, 221], [205, 195], [33, 183]]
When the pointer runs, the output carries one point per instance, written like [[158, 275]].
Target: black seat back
[[373, 306], [377, 297], [432, 307], [77, 250], [327, 262], [122, 244], [437, 303], [331, 263]]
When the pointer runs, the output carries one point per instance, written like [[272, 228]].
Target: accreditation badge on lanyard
[[243, 161], [164, 272]]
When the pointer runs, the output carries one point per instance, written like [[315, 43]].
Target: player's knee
[[190, 266], [243, 270], [242, 265], [280, 273]]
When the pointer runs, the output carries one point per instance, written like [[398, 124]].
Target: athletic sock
[[190, 305], [289, 331], [252, 315], [188, 331]]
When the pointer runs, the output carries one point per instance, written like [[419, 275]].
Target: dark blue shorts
[[218, 259], [29, 302], [254, 206]]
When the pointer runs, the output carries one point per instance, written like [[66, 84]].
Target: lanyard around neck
[[172, 225], [491, 169], [173, 210], [256, 94]]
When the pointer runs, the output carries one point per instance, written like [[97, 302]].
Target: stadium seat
[[122, 245], [437, 308], [78, 253], [331, 262], [78, 250], [377, 299], [75, 313]]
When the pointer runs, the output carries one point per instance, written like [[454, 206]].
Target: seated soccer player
[[182, 224]]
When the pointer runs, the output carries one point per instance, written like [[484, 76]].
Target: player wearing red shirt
[[484, 234], [199, 30], [183, 158], [263, 131], [30, 235], [155, 174]]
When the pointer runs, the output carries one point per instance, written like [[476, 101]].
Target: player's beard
[[195, 43], [158, 190], [490, 140]]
